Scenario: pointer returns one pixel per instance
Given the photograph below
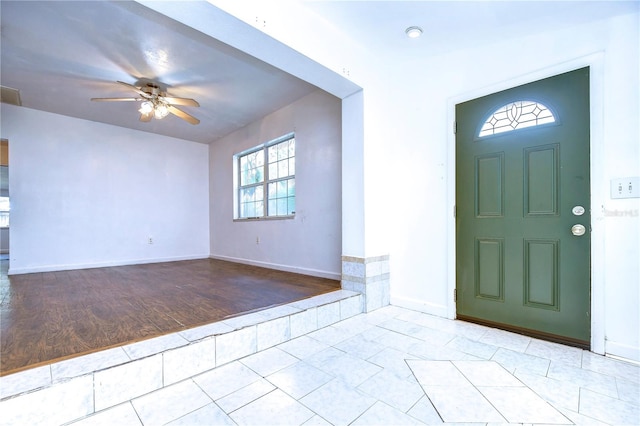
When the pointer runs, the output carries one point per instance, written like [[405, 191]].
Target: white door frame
[[598, 186]]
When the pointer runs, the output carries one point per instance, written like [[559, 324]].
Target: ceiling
[[60, 54]]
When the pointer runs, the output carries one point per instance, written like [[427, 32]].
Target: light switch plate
[[628, 187]]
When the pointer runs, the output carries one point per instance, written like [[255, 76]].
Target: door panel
[[518, 265]]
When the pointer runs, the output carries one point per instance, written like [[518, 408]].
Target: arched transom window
[[516, 115]]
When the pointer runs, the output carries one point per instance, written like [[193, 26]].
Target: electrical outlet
[[628, 187], [257, 240]]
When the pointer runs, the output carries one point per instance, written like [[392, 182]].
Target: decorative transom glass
[[516, 115]]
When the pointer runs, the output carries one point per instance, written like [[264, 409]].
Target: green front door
[[522, 209]]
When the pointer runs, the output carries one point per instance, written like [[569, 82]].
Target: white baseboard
[[71, 267], [620, 350], [279, 267], [420, 306]]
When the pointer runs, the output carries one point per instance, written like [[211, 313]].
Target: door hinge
[[455, 127], [454, 210], [455, 295]]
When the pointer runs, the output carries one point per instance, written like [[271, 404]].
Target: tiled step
[[97, 381]]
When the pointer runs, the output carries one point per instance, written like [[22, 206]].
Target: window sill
[[266, 218]]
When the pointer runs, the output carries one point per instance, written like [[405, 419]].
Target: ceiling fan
[[156, 103]]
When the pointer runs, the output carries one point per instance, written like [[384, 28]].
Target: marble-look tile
[[299, 379], [486, 373], [377, 334], [555, 352], [303, 322], [170, 403], [331, 335], [355, 324], [246, 320], [122, 414], [235, 345], [154, 346], [381, 414], [393, 361], [608, 410], [279, 312], [328, 314], [522, 405], [351, 307], [210, 414], [316, 421], [481, 350], [462, 404], [27, 380], [187, 361], [273, 332], [611, 367], [403, 327], [394, 391], [438, 353], [628, 391], [338, 402], [373, 269], [512, 360], [424, 411], [466, 329], [303, 346], [437, 373], [353, 284], [506, 340], [353, 269], [275, 408], [579, 419], [124, 382], [377, 295], [44, 407], [244, 396], [401, 342], [334, 296], [88, 364], [351, 370], [225, 380], [597, 382], [204, 331], [383, 314], [559, 394], [269, 361], [360, 347]]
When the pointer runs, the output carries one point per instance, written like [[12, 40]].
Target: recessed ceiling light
[[413, 32]]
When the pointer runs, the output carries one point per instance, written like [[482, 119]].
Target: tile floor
[[395, 366]]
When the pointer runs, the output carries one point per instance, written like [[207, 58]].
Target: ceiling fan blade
[[187, 117], [135, 89], [146, 117], [115, 99], [181, 101]]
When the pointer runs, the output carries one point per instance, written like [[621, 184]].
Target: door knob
[[578, 230]]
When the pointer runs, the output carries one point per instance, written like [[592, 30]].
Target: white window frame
[[267, 179]]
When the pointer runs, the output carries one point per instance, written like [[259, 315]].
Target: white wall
[[85, 194], [310, 243], [408, 102], [422, 247]]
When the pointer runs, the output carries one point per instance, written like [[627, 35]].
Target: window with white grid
[[267, 180]]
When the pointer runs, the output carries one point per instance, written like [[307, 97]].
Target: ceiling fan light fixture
[[160, 111], [146, 107]]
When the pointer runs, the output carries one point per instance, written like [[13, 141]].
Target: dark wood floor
[[51, 316]]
